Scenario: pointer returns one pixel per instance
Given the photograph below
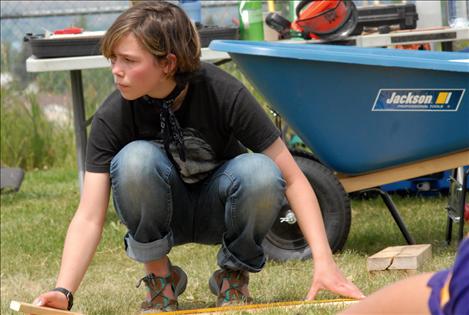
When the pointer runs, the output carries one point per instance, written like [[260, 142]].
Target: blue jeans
[[235, 206]]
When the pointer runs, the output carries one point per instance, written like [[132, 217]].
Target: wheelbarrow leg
[[396, 215], [449, 230], [463, 175], [456, 202]]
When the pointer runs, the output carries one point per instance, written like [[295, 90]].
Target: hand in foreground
[[52, 299], [329, 277]]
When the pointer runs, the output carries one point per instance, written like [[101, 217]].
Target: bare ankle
[[159, 268]]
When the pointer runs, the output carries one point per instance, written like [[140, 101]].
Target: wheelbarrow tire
[[285, 241]]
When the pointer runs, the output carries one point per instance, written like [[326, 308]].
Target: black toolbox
[[88, 43], [209, 33], [73, 45], [402, 15]]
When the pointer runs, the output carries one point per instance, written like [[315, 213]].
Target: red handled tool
[[69, 30]]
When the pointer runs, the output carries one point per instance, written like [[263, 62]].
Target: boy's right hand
[[52, 299]]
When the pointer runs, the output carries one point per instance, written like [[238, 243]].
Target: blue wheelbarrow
[[371, 116]]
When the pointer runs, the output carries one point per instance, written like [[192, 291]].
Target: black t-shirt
[[218, 115]]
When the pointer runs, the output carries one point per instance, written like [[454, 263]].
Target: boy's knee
[[260, 174], [134, 158], [137, 161]]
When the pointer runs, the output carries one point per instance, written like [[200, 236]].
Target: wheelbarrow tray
[[346, 103]]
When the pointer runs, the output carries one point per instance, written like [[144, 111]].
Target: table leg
[[447, 46], [79, 122]]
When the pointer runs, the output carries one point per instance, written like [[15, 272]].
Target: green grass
[[28, 139], [34, 222]]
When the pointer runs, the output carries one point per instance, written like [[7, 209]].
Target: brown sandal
[[159, 302], [237, 292]]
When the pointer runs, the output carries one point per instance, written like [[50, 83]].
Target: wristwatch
[[68, 295]]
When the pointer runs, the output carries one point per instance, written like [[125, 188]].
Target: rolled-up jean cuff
[[145, 252], [227, 260]]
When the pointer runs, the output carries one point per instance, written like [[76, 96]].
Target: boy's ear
[[170, 62]]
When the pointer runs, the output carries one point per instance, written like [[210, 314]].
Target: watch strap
[[68, 294]]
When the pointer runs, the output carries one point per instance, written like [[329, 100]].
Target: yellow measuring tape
[[41, 310], [245, 307]]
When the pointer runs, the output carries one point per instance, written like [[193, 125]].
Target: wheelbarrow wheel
[[285, 240]]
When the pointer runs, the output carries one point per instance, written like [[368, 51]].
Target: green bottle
[[293, 5], [251, 24]]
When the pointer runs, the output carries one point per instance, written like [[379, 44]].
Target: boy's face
[[137, 72]]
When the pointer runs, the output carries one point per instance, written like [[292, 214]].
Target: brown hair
[[161, 28]]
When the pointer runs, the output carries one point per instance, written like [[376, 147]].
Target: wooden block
[[38, 310], [409, 257]]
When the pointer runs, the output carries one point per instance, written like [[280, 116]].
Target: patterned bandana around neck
[[170, 128]]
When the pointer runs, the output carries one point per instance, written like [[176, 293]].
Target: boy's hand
[[52, 299], [329, 277]]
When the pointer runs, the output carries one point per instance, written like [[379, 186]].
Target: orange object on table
[[69, 30], [424, 46]]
